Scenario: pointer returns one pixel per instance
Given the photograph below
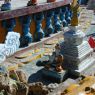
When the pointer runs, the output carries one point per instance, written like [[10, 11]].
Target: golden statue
[[75, 8]]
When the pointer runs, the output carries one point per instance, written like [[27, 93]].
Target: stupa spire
[[74, 7]]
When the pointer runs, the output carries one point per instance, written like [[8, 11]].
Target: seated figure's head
[[57, 46], [60, 58]]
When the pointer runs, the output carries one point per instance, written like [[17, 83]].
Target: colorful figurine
[[6, 6], [10, 23], [32, 2]]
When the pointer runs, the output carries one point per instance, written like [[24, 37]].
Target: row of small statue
[[7, 5]]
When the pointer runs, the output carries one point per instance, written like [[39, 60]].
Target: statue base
[[53, 75]]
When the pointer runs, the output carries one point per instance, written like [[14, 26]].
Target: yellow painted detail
[[24, 55], [33, 58], [72, 87], [37, 50], [27, 54], [12, 67]]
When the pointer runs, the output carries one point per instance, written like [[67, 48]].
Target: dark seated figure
[[56, 63]]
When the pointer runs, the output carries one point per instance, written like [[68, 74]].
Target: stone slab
[[54, 75]]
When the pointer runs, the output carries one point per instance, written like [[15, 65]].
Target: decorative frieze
[[10, 46]]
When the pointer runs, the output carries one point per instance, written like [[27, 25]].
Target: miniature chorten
[[77, 51]]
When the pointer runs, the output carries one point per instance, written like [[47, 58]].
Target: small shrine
[[77, 51]]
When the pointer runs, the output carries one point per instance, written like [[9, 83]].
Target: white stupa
[[77, 51]]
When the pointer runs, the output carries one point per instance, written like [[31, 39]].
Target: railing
[[35, 22], [32, 9]]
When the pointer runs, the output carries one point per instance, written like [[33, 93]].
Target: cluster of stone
[[15, 83], [10, 86], [38, 88], [52, 86], [18, 75]]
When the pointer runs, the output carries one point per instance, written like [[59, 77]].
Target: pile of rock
[[9, 86], [15, 83], [38, 89]]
